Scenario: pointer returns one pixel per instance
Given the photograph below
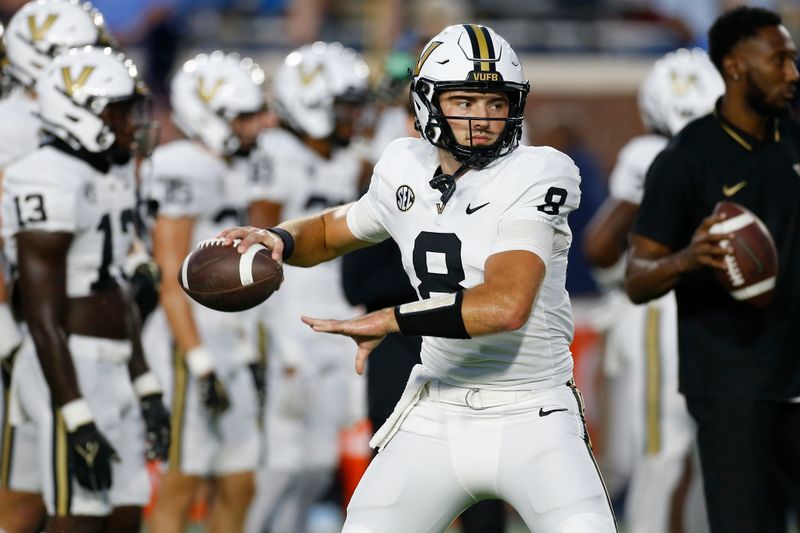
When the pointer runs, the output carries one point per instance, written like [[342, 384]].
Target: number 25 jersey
[[55, 191], [445, 247]]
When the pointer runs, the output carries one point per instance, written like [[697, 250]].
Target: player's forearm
[[647, 279], [320, 238], [55, 359], [486, 311], [178, 311]]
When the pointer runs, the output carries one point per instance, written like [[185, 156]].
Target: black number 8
[[445, 243], [553, 200]]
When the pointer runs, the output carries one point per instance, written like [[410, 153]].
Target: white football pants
[[529, 448]]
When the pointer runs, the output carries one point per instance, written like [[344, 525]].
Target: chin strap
[[446, 183]]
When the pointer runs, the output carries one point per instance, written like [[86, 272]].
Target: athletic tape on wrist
[[199, 361], [10, 337], [76, 414], [435, 317], [288, 241], [146, 385]]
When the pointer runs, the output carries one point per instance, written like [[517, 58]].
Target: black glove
[[90, 456], [157, 422], [259, 374], [144, 285], [7, 367], [213, 394]]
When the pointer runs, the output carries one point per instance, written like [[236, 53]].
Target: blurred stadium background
[[584, 58]]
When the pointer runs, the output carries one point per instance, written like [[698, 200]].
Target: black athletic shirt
[[729, 347]]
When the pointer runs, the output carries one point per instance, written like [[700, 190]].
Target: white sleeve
[[42, 202], [553, 192], [363, 217], [627, 179], [528, 235]]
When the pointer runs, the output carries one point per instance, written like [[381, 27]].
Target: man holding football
[[492, 412], [738, 365]]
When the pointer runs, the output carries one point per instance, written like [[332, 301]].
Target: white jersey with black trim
[[626, 184], [55, 191], [627, 179], [305, 183], [185, 180], [445, 248], [19, 127]]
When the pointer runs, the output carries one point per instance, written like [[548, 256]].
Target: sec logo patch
[[405, 198]]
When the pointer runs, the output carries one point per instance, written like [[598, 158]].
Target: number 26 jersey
[[445, 247]]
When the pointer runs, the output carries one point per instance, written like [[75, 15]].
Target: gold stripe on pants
[[178, 409], [652, 388]]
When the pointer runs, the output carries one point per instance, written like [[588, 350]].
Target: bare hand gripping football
[[217, 276], [752, 265]]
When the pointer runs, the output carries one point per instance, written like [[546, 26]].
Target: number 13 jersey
[[445, 248], [54, 190]]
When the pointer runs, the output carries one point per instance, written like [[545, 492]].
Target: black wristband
[[435, 317], [288, 241]]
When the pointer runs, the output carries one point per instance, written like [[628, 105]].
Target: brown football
[[753, 265], [219, 277]]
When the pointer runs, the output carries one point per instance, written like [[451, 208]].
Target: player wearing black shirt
[[739, 366]]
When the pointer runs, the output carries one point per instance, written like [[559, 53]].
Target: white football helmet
[[311, 79], [473, 58], [42, 29], [680, 87], [210, 91], [76, 88]]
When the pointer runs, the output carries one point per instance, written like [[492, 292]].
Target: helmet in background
[[42, 29], [210, 91], [468, 57], [77, 87], [680, 87], [312, 79]]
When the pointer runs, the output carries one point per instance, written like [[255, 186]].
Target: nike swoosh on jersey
[[733, 189], [542, 412], [471, 210]]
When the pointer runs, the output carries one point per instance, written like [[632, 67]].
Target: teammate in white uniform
[[492, 411], [217, 102], [309, 394], [67, 212], [642, 341], [36, 33]]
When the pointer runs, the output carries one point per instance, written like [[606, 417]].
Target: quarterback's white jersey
[[305, 183], [19, 127], [627, 179], [445, 251], [52, 190]]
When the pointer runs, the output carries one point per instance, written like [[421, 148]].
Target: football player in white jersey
[[67, 211], [36, 33], [218, 104], [318, 92], [642, 340], [492, 412]]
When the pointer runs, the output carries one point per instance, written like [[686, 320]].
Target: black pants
[[750, 459]]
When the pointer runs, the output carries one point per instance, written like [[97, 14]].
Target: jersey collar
[[98, 161], [745, 140]]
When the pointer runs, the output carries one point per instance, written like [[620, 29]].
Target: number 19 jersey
[[445, 247]]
